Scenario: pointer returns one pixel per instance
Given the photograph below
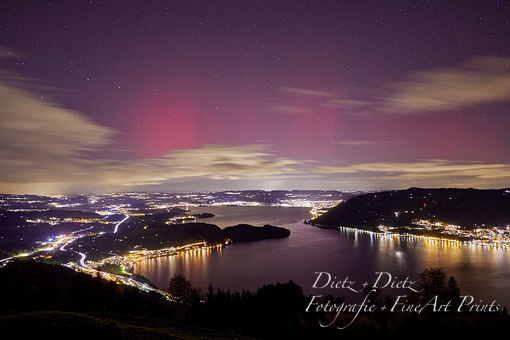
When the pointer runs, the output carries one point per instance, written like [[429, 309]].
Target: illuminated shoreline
[[137, 256], [90, 267], [427, 238]]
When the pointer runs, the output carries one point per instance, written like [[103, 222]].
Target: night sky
[[215, 95]]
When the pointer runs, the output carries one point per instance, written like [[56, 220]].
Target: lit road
[[13, 257], [123, 279], [117, 225], [63, 240], [78, 231], [82, 261]]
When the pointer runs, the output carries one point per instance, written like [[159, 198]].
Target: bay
[[348, 255]]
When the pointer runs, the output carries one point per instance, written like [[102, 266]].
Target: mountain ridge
[[468, 208]]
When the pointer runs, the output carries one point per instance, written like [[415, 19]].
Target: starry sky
[[224, 94]]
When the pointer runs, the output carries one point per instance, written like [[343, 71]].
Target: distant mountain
[[62, 214], [468, 208]]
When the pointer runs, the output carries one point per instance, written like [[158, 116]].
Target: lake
[[483, 273]]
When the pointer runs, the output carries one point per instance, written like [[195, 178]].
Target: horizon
[[245, 190]]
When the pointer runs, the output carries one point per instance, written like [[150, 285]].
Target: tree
[[432, 283], [374, 297], [180, 288], [210, 293], [182, 291], [453, 293]]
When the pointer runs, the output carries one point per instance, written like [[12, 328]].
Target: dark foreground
[[39, 300]]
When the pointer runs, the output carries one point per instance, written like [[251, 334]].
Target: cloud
[[212, 162], [347, 104], [46, 148], [220, 161], [304, 92], [289, 109], [32, 126], [49, 149], [40, 141], [425, 167], [300, 101], [482, 80], [215, 163], [428, 173], [367, 142]]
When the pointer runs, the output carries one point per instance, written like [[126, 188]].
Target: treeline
[[279, 310], [27, 285], [273, 311]]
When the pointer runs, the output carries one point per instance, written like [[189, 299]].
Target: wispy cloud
[[220, 161], [293, 100], [347, 104], [482, 80], [49, 149], [304, 92], [45, 148], [40, 141], [290, 109], [367, 142], [426, 173]]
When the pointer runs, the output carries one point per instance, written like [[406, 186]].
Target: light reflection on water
[[481, 272]]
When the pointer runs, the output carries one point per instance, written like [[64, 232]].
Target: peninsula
[[468, 215]]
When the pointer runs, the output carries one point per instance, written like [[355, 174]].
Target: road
[[123, 279], [118, 224]]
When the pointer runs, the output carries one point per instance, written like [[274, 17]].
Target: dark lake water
[[483, 273]]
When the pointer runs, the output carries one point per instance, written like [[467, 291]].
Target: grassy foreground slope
[[71, 325]]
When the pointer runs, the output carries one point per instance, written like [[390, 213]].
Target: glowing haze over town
[[219, 95]]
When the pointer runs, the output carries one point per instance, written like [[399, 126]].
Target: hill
[[160, 235], [468, 208], [245, 232], [53, 302]]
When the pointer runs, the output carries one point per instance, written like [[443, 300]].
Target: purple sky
[[212, 95]]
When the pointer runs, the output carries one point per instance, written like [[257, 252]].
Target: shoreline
[[408, 235]]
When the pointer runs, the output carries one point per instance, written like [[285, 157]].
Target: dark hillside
[[464, 207]]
